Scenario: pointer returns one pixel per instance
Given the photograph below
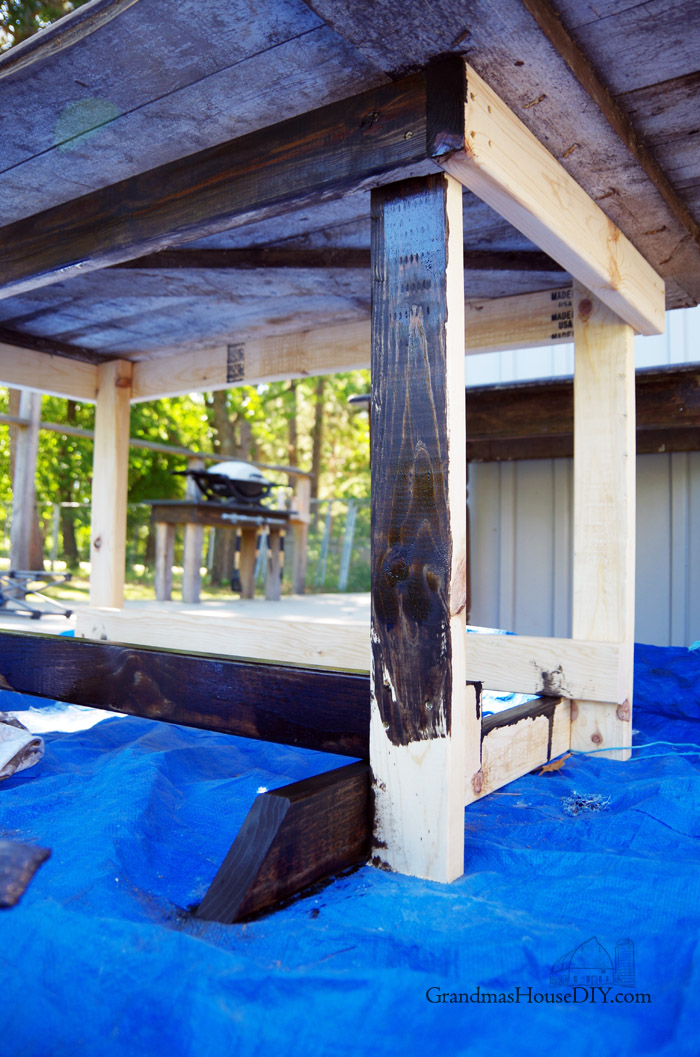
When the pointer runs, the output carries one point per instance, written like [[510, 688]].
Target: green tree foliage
[[20, 19]]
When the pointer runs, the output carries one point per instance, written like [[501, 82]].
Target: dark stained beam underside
[[51, 346], [534, 420], [310, 708], [327, 258], [356, 143]]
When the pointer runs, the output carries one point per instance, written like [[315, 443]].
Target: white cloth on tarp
[[19, 748]]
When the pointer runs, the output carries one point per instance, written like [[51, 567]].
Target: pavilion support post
[[194, 541], [24, 481], [165, 557], [302, 507], [423, 740], [604, 511], [110, 484]]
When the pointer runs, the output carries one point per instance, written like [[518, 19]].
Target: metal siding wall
[[520, 525]]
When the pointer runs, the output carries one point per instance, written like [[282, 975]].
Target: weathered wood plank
[[24, 481], [292, 838], [604, 513], [342, 146], [18, 864], [313, 709], [423, 732], [506, 166]]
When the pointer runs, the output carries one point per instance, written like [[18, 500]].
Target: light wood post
[[110, 479], [604, 511], [194, 540], [273, 580], [302, 505], [165, 555], [24, 481], [422, 738]]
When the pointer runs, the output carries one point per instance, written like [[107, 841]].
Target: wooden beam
[[313, 709], [352, 143], [24, 482], [110, 472], [291, 838], [561, 667], [300, 520], [497, 324], [28, 369], [604, 512], [69, 30], [535, 420], [520, 322], [327, 257], [194, 540], [503, 163], [332, 644], [18, 864], [424, 734], [325, 350], [517, 740], [21, 340], [583, 70]]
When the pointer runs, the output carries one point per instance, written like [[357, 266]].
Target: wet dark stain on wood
[[411, 539], [311, 708], [18, 864]]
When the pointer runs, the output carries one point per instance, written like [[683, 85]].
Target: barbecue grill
[[238, 481]]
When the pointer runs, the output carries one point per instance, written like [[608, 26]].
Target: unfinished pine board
[[503, 163], [519, 322], [425, 733], [55, 375], [323, 642], [109, 484], [604, 512], [24, 481], [292, 837], [562, 667], [518, 740]]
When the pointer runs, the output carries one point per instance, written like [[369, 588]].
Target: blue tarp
[[100, 956]]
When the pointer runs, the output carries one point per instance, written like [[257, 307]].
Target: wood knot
[[97, 542], [585, 308], [624, 712], [597, 738], [478, 782]]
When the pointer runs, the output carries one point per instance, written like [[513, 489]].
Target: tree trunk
[[317, 442], [36, 543], [292, 438]]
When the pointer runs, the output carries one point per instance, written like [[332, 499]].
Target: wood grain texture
[[26, 448], [18, 864], [567, 668], [28, 369], [292, 838], [267, 637], [604, 512], [23, 340], [419, 713], [269, 702], [110, 479], [519, 739], [506, 166], [551, 25], [319, 154]]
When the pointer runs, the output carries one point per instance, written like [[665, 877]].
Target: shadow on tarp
[[98, 958]]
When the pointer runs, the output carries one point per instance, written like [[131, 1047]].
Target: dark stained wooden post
[[423, 742]]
